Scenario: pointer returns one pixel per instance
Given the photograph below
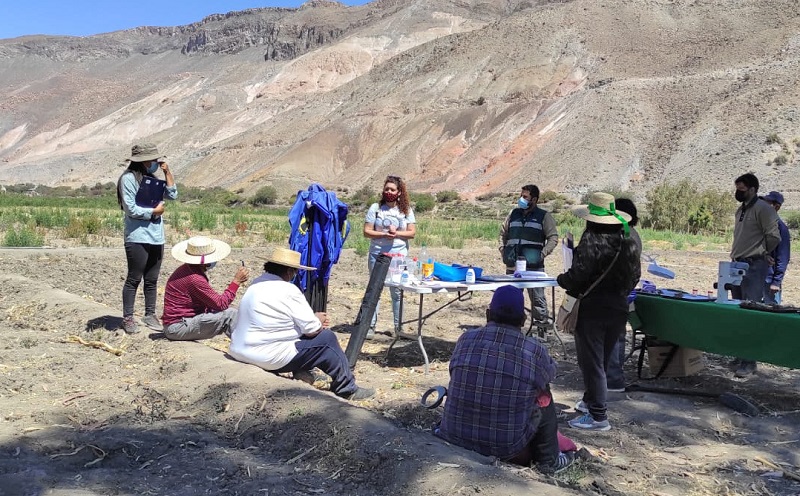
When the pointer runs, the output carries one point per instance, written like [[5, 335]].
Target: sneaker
[[129, 325], [304, 375], [371, 334], [563, 462], [152, 322], [581, 407], [586, 422], [745, 369], [361, 393]]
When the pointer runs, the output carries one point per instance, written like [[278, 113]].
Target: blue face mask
[[153, 167], [211, 265], [522, 203]]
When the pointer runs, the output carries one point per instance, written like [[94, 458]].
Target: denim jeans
[[752, 287], [323, 352], [395, 292]]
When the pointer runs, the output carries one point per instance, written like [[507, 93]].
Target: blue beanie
[[508, 301]]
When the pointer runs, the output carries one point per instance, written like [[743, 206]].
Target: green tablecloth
[[723, 329]]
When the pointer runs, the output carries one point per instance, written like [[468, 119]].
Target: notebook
[[151, 192]]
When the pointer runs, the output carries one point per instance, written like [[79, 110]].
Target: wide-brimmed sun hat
[[144, 152], [601, 210], [200, 250], [287, 257]]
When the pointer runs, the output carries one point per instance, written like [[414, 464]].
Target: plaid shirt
[[188, 294], [496, 374]]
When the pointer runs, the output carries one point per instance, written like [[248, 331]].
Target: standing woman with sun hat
[[389, 225], [606, 253], [141, 196]]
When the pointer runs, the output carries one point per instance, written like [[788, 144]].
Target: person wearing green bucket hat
[[140, 195], [608, 256]]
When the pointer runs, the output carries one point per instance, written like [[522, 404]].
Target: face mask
[[390, 197], [522, 203], [211, 265], [740, 195], [154, 165]]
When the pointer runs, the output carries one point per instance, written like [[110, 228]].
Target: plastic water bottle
[[423, 257], [470, 275]]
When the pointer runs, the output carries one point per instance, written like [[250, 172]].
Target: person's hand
[[392, 230], [159, 210], [242, 275], [164, 167], [770, 260], [323, 317], [774, 288], [391, 234]]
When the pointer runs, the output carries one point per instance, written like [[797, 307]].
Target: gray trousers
[[539, 312], [203, 326]]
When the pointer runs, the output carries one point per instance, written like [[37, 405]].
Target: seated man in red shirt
[[192, 309]]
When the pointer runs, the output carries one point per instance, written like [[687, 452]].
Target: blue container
[[453, 273]]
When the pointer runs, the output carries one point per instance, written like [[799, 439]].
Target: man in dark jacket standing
[[755, 236], [781, 254], [529, 232]]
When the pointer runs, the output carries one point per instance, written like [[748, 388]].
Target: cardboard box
[[686, 361]]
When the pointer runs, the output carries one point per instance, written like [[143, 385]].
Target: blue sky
[[86, 17]]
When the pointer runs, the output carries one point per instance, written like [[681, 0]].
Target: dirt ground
[[164, 418]]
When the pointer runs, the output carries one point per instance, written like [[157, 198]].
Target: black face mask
[[740, 195]]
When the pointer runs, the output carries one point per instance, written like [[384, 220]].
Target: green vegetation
[[682, 208], [422, 202], [675, 216], [447, 196], [266, 195]]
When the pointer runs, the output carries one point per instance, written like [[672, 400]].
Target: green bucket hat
[[144, 152]]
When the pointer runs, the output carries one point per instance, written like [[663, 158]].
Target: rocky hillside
[[476, 96]]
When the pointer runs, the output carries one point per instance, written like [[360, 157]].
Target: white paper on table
[[566, 251], [532, 274]]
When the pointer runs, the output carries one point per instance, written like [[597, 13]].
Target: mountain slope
[[475, 96]]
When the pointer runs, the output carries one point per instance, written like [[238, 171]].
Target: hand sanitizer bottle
[[470, 275]]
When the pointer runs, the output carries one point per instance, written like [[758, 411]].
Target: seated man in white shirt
[[277, 330]]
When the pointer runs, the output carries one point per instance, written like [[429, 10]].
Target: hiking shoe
[[129, 325], [588, 423], [361, 393], [745, 369], [152, 322], [581, 407], [304, 375]]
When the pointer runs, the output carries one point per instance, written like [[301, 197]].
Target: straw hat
[[602, 200], [144, 152], [287, 257], [200, 250]]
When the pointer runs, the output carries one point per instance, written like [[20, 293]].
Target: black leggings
[[143, 260]]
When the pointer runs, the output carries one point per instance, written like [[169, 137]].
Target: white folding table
[[462, 292]]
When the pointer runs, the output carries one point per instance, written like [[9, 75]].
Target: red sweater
[[188, 293]]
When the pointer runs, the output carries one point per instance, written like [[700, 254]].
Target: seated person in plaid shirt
[[498, 402], [192, 309]]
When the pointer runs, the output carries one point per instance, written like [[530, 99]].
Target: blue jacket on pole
[[319, 229]]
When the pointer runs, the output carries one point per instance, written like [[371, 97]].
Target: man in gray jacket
[[755, 235]]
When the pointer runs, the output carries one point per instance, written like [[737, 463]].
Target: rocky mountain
[[477, 96]]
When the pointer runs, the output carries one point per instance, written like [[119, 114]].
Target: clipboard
[[151, 192]]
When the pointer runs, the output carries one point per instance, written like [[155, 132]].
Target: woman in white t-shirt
[[389, 224]]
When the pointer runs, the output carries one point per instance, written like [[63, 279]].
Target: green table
[[722, 329]]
